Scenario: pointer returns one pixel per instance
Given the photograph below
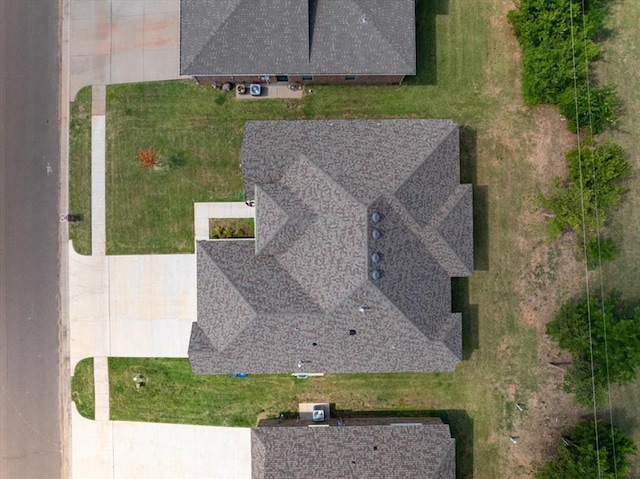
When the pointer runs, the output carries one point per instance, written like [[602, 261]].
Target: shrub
[[600, 251], [597, 107], [603, 167], [599, 171], [604, 344], [544, 30], [592, 449]]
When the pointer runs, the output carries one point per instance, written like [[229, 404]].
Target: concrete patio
[[273, 90]]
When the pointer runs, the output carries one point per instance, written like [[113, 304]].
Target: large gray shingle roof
[[295, 292], [408, 451], [332, 37]]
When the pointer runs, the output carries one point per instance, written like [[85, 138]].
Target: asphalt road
[[30, 412]]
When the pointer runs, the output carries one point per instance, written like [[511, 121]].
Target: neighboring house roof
[[288, 300], [409, 451], [328, 37]]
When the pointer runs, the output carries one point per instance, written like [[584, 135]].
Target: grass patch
[[231, 228], [173, 394], [80, 170], [83, 390], [151, 211]]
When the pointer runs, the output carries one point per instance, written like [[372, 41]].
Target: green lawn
[[172, 394], [472, 76]]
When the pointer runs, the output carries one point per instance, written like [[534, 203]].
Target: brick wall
[[318, 79]]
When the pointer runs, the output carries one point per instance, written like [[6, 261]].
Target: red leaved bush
[[147, 157]]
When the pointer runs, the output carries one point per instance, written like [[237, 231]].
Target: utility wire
[[584, 237], [595, 187]]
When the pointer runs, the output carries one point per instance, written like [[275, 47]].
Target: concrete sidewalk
[[98, 170], [140, 306], [202, 212]]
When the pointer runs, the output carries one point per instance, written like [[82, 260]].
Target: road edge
[[63, 329]]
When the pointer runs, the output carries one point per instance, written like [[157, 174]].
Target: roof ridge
[[449, 249], [294, 216], [260, 245], [215, 30], [452, 321], [445, 210], [373, 24], [215, 264], [445, 468], [369, 282], [419, 164], [330, 178], [232, 283], [452, 200]]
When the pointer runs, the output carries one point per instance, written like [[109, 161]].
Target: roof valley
[[431, 239]]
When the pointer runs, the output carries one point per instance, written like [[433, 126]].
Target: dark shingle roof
[[236, 37], [295, 292], [409, 451]]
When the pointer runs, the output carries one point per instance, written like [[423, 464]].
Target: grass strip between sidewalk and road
[[80, 171], [83, 389]]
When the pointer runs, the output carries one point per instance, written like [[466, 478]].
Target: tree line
[[559, 41]]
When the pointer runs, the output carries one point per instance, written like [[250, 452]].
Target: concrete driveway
[[123, 41], [141, 306], [131, 306], [137, 450]]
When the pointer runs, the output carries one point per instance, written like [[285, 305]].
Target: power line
[[595, 187], [584, 236]]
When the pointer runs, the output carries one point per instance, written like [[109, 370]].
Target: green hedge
[[544, 31]]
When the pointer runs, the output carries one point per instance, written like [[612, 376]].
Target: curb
[[63, 334]]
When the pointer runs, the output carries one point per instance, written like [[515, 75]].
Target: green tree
[[605, 346], [583, 456]]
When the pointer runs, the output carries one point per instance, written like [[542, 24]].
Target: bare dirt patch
[[551, 141], [552, 276]]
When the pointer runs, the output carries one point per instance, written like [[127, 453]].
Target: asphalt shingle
[[331, 37], [320, 271], [406, 450]]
